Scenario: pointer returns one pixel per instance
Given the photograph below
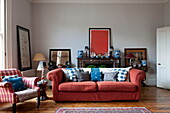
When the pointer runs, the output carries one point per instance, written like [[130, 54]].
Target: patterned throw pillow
[[66, 75], [73, 77], [17, 83], [110, 76], [96, 76], [86, 69], [71, 74], [121, 76], [83, 76]]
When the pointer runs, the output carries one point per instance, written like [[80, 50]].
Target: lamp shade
[[130, 55], [39, 57], [40, 66]]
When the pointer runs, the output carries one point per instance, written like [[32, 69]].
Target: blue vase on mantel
[[80, 53], [116, 53]]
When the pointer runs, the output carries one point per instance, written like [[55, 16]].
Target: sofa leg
[[14, 108], [38, 102]]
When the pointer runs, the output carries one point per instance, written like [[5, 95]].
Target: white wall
[[21, 15], [66, 26], [167, 13]]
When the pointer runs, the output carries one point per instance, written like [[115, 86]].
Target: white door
[[163, 57]]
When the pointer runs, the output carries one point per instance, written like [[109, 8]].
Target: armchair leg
[[38, 102], [14, 108]]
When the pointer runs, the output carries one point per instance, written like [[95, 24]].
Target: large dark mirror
[[60, 57]]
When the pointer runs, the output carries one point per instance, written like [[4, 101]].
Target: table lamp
[[130, 56], [41, 66]]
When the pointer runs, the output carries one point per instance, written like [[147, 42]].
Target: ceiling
[[98, 1]]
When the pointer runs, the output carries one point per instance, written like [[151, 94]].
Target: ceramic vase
[[117, 54], [80, 53], [144, 62]]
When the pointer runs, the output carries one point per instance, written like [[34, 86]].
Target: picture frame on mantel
[[24, 49], [99, 40], [60, 56], [139, 53]]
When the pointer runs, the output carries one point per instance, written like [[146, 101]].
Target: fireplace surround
[[108, 62]]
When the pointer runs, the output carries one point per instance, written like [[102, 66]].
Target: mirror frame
[[69, 50]]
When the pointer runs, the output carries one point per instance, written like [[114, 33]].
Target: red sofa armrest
[[56, 76], [136, 76]]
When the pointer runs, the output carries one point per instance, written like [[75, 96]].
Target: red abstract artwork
[[99, 40]]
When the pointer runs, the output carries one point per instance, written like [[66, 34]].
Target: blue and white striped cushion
[[73, 78], [71, 73], [122, 75]]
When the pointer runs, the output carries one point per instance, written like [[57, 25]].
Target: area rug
[[103, 110]]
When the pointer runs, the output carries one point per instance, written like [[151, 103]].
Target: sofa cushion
[[71, 74], [26, 94], [121, 76], [83, 76], [110, 76], [78, 86], [17, 82], [115, 86], [86, 69], [96, 75]]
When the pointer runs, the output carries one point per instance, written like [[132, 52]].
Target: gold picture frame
[[139, 53]]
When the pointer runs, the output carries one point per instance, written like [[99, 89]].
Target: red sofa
[[95, 91]]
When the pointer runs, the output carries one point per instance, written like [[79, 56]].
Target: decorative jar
[[117, 54], [92, 55], [80, 53], [144, 62]]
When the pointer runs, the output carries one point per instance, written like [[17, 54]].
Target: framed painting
[[24, 49], [60, 56], [139, 53], [99, 40]]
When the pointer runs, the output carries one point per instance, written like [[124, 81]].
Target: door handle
[[159, 64]]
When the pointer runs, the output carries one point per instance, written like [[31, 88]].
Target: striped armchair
[[7, 93]]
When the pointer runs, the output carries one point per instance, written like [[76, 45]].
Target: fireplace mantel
[[109, 62]]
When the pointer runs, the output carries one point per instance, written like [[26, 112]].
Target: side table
[[42, 86]]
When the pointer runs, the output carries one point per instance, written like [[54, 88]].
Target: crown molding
[[98, 1]]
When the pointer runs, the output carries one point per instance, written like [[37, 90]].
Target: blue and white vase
[[117, 54], [80, 53], [144, 62]]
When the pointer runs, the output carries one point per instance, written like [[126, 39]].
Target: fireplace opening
[[98, 65]]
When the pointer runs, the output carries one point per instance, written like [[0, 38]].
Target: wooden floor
[[155, 99]]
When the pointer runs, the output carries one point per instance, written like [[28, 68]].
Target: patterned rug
[[103, 110]]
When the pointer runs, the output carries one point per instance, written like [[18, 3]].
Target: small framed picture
[[60, 56], [139, 53]]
